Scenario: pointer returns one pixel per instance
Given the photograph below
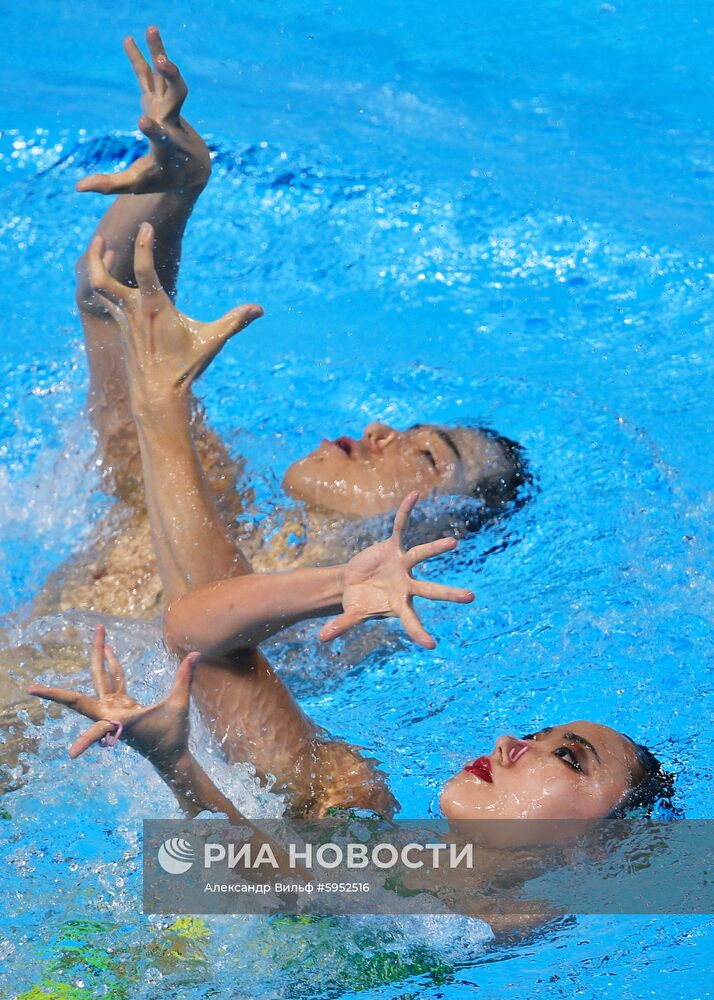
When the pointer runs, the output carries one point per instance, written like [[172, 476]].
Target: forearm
[[255, 719], [195, 793], [108, 402], [191, 540], [242, 611], [194, 790], [168, 212]]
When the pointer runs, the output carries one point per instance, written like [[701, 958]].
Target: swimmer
[[343, 479], [219, 612]]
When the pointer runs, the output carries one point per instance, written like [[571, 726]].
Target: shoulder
[[348, 780]]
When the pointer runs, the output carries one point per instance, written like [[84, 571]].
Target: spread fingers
[[140, 66], [440, 592]]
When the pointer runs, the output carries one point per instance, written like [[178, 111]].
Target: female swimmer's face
[[372, 475], [578, 771]]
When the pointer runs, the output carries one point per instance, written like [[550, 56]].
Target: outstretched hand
[[164, 350], [178, 159], [158, 732], [378, 583]]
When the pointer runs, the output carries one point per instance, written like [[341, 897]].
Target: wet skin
[[371, 475], [581, 770]]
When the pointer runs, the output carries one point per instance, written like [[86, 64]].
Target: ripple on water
[[592, 598]]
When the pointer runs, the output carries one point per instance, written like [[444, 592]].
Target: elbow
[[177, 634], [186, 631]]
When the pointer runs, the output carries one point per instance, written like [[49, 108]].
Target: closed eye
[[425, 451]]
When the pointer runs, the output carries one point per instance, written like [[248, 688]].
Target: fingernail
[[144, 230]]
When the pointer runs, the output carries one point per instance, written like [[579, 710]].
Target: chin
[[339, 496], [448, 808], [293, 482], [303, 480], [301, 486], [455, 801]]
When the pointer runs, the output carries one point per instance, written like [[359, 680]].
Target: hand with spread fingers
[[178, 159], [378, 583], [158, 732], [164, 350]]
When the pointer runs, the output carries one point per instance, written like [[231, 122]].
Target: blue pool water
[[493, 213]]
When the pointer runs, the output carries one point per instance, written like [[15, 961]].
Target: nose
[[378, 436], [510, 749]]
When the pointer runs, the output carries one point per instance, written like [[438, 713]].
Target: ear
[[379, 435]]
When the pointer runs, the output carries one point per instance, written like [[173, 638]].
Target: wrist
[[327, 596], [169, 765], [152, 412]]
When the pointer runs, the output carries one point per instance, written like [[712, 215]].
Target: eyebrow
[[581, 741], [445, 437]]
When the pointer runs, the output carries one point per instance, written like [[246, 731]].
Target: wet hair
[[652, 789], [502, 484], [507, 470], [504, 488]]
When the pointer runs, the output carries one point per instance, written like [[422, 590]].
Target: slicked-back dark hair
[[500, 488], [652, 786]]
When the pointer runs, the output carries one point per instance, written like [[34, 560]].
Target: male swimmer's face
[[578, 771], [372, 475]]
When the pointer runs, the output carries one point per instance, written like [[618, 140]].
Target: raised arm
[[160, 733], [161, 188], [164, 352]]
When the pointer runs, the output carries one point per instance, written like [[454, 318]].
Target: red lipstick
[[481, 767]]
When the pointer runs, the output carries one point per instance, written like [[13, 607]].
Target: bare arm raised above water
[[160, 733], [164, 352], [160, 187]]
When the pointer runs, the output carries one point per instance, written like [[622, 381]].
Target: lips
[[481, 768]]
